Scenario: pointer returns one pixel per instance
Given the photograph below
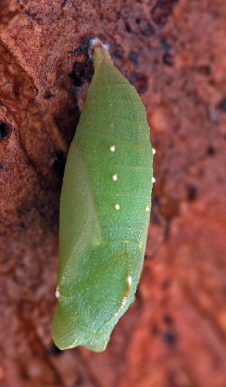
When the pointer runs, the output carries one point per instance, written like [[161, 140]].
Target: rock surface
[[174, 53]]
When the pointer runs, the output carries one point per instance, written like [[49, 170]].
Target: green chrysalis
[[104, 211]]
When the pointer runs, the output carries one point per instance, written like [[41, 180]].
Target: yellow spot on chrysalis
[[153, 180], [72, 345], [125, 298], [153, 151]]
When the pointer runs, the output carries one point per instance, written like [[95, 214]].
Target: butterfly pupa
[[104, 210]]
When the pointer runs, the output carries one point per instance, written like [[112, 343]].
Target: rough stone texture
[[174, 52]]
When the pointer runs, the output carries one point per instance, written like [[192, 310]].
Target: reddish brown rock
[[174, 335]]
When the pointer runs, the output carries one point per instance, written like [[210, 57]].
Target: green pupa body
[[104, 211]]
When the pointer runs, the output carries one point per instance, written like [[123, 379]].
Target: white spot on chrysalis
[[112, 148], [112, 125], [57, 294], [123, 301], [115, 177], [153, 180], [147, 208], [117, 206], [153, 151], [129, 280]]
